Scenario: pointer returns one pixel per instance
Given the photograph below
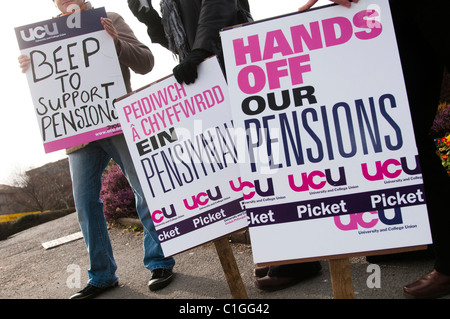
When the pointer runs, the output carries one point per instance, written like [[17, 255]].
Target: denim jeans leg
[[153, 254], [86, 166]]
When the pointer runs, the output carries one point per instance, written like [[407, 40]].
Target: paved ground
[[27, 271]]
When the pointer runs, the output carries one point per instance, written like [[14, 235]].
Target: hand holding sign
[[110, 29], [24, 62], [310, 3]]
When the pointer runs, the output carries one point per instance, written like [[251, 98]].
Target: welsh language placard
[[73, 78], [332, 165], [182, 141]]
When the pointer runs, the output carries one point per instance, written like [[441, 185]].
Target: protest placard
[[182, 142], [322, 99], [73, 78]]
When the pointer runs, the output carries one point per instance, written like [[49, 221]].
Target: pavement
[[28, 271]]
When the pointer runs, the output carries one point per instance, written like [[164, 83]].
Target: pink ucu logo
[[322, 178], [255, 188], [382, 169], [202, 198], [368, 219], [159, 215]]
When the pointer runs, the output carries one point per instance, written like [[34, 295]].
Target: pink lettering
[[241, 186], [241, 50], [313, 41], [275, 71], [297, 68], [276, 43], [155, 218], [331, 34], [249, 73], [381, 170], [360, 20], [355, 220], [386, 170]]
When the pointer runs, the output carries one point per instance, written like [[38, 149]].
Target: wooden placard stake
[[230, 268], [341, 278]]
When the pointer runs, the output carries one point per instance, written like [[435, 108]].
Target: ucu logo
[[39, 32], [368, 219], [309, 181], [158, 215], [255, 188], [202, 199], [383, 169]]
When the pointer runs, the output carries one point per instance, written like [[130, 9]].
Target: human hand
[[24, 62], [142, 15], [110, 29], [310, 3], [186, 71]]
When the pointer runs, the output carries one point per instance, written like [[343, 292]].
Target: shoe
[[271, 282], [432, 285], [260, 272], [160, 278], [90, 291], [268, 283]]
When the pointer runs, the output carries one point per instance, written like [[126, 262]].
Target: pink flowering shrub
[[117, 195]]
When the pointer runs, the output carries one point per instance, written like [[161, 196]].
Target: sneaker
[[90, 291], [160, 278]]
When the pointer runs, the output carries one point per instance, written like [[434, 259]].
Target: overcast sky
[[20, 144]]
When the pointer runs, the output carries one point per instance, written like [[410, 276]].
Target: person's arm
[[132, 53], [152, 20], [214, 15]]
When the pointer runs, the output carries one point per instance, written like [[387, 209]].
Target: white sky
[[20, 141]]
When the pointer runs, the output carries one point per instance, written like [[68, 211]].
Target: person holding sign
[[279, 277], [424, 42], [88, 161], [190, 28]]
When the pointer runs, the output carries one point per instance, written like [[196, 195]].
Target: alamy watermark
[[74, 279], [374, 279]]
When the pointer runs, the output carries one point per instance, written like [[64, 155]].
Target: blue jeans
[[87, 166]]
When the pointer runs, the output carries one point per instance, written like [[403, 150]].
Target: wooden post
[[230, 268], [341, 278]]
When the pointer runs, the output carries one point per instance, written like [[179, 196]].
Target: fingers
[[307, 5], [107, 24], [345, 3], [110, 29], [185, 72], [24, 62], [310, 3]]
